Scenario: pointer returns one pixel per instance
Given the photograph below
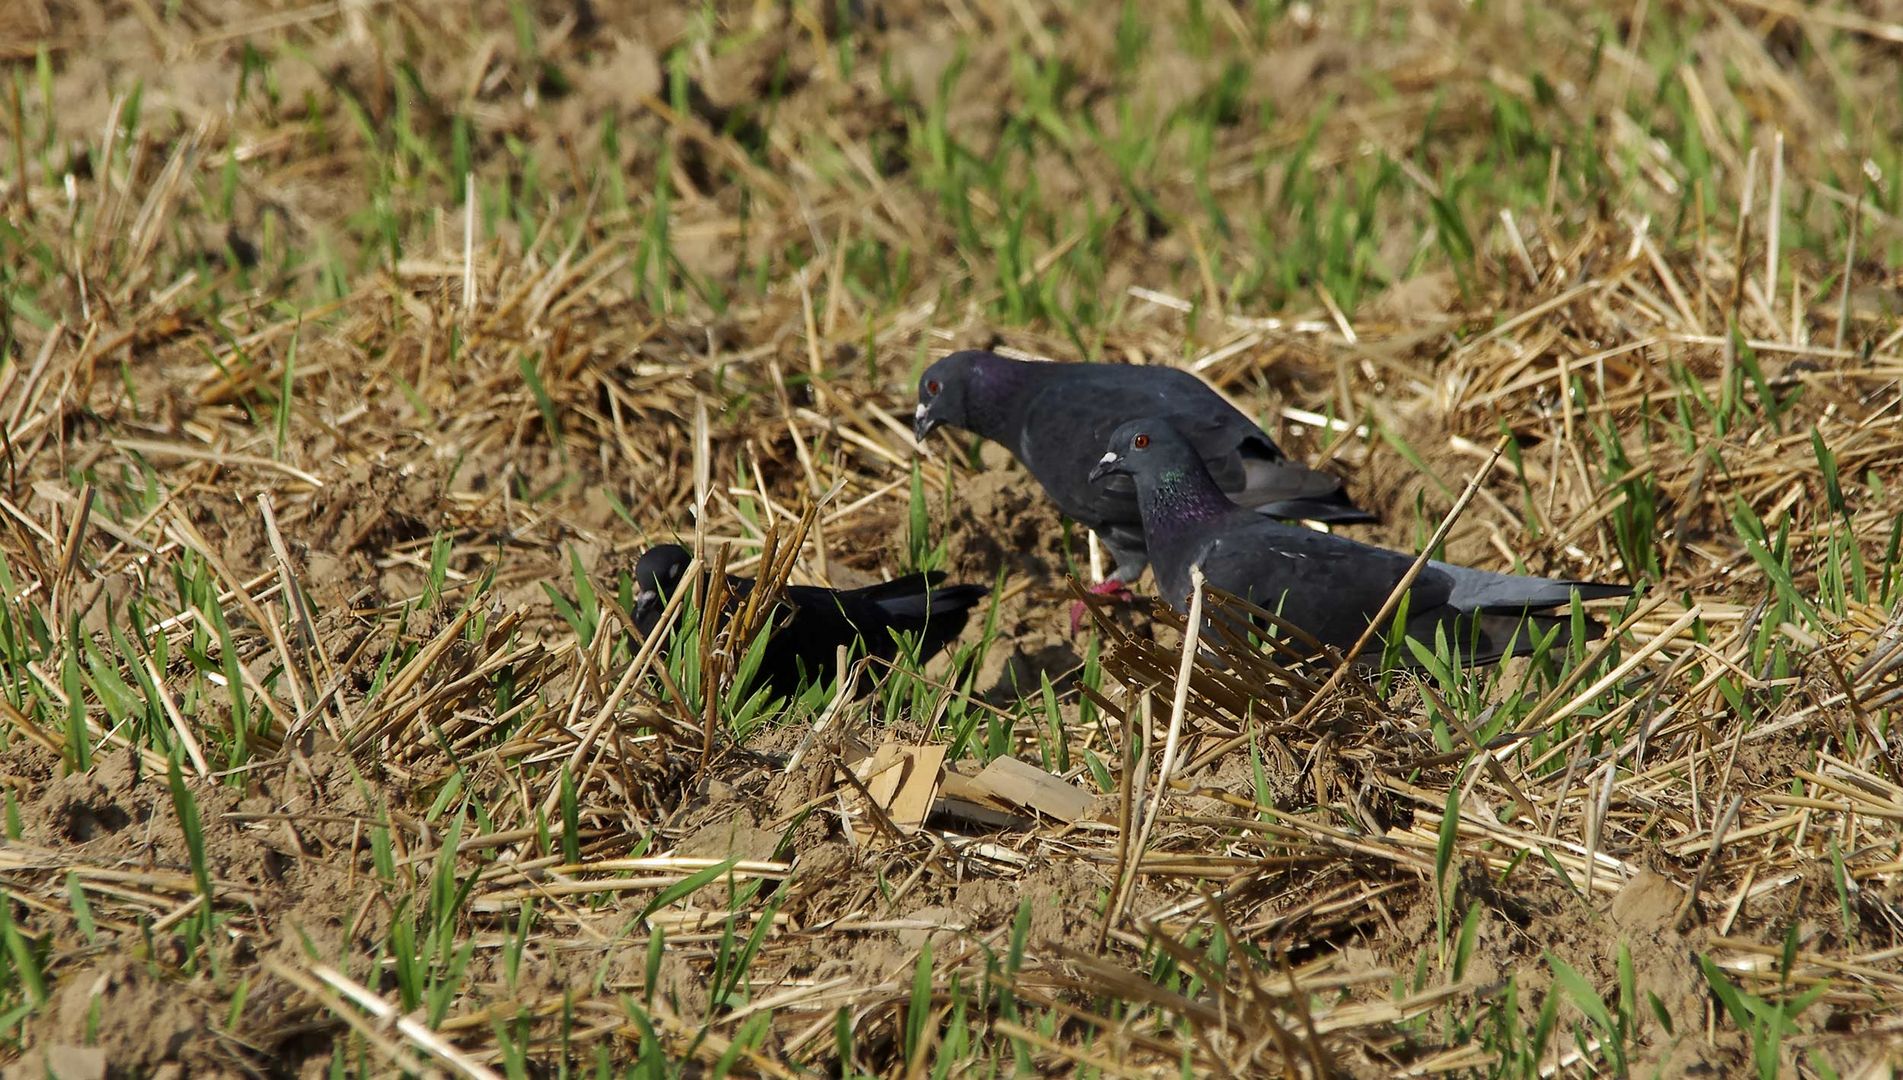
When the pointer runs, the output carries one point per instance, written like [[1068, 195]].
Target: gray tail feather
[[1330, 510], [1541, 594], [1281, 489]]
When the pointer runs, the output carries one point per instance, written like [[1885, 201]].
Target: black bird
[[1330, 586], [1055, 418], [810, 623]]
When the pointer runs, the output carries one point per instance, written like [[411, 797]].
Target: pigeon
[[1329, 586], [810, 623], [1055, 419]]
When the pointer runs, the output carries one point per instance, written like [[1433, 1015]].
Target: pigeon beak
[[1107, 464], [923, 422]]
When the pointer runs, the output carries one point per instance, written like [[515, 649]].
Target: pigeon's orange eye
[[1141, 441], [931, 386]]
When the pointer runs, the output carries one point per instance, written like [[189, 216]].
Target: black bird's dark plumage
[[1055, 418], [811, 623], [1330, 586]]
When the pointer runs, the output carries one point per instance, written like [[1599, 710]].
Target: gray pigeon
[[1055, 419], [1330, 586]]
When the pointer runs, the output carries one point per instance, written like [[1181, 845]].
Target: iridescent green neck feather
[[1179, 498]]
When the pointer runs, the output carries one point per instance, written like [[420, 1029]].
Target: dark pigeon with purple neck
[[1330, 586], [1055, 418]]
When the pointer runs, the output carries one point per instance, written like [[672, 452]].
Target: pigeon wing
[[1328, 585]]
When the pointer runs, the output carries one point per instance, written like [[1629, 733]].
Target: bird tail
[[1598, 590], [1511, 594], [919, 604], [1280, 489], [1331, 509], [924, 601]]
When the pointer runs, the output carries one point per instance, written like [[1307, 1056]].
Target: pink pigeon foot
[[1107, 587]]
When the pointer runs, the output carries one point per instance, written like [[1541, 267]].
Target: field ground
[[351, 351]]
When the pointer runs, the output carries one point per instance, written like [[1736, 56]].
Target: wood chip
[[1020, 783], [902, 781]]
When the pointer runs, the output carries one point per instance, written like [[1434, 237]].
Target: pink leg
[[1107, 587]]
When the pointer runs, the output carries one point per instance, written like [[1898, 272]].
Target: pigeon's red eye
[[931, 387], [1141, 441]]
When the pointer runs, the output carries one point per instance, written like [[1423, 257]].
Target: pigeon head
[[941, 394], [1174, 488], [656, 576], [1145, 448], [980, 392]]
